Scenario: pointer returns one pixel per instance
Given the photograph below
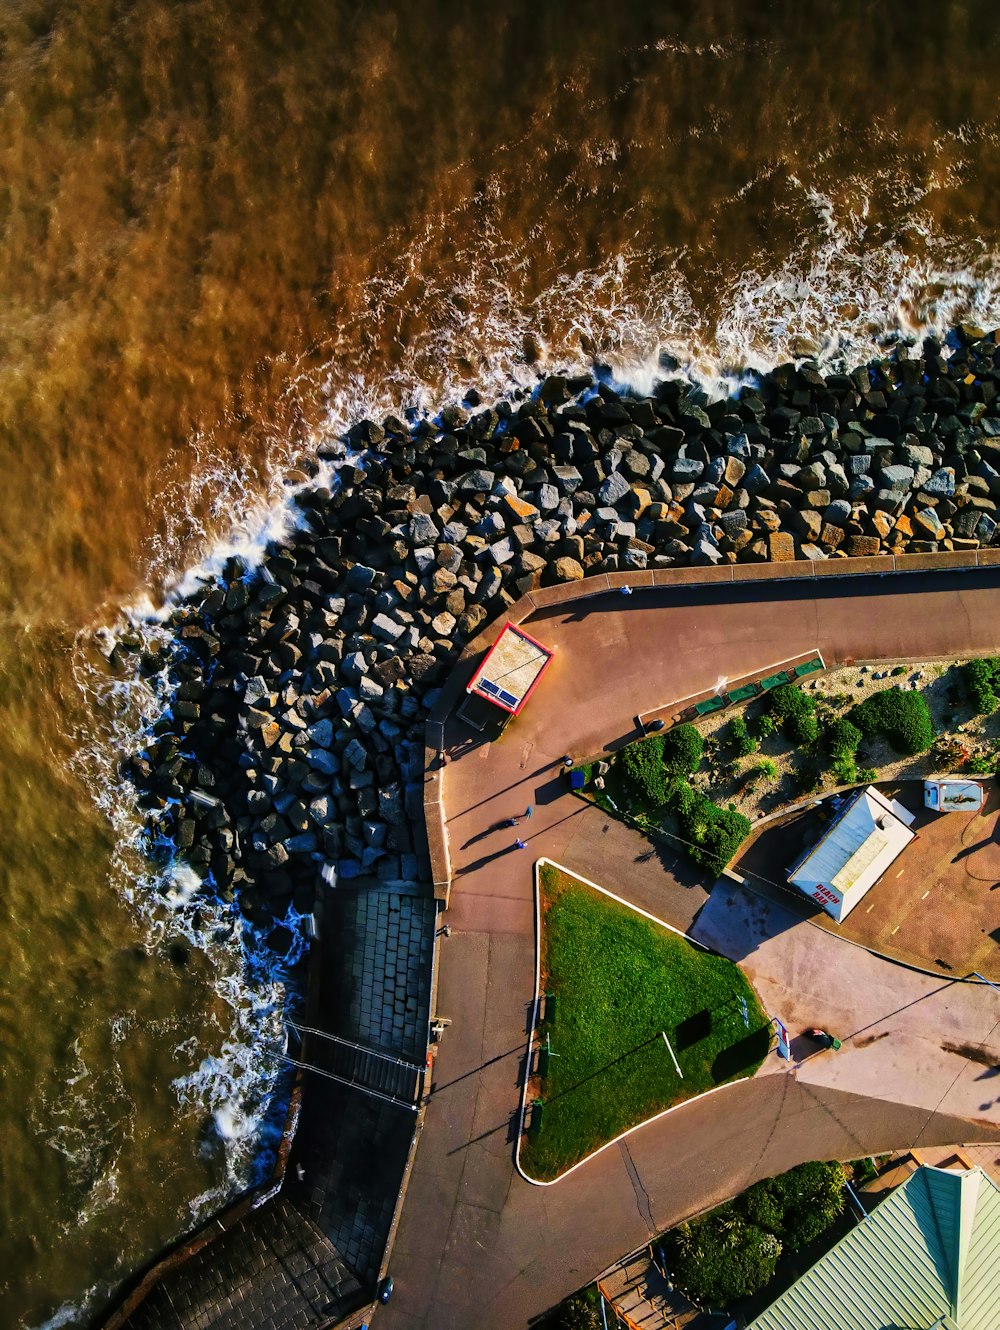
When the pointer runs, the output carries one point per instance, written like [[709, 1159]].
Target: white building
[[867, 835]]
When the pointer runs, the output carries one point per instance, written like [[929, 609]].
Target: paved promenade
[[479, 1247]]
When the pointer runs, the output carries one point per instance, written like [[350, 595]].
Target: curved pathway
[[477, 1246]]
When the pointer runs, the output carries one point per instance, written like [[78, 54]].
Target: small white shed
[[867, 835]]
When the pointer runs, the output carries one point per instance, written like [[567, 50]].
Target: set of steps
[[397, 1079], [384, 1075], [639, 1297]]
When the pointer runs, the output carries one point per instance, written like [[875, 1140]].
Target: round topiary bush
[[842, 739], [682, 749], [900, 716], [796, 713]]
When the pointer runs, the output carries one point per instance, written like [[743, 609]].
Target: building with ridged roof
[[927, 1258]]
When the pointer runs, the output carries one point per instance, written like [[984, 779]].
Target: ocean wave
[[73, 1313], [232, 1079]]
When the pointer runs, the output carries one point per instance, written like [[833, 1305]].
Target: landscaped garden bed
[[853, 725], [615, 983]]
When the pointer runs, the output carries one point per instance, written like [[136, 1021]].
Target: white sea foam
[[72, 1313], [231, 1077]]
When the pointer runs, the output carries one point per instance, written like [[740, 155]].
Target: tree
[[722, 1258], [731, 1252], [682, 749], [797, 1206], [813, 1198]]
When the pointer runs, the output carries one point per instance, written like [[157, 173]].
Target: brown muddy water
[[227, 228]]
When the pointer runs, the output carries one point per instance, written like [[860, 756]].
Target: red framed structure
[[511, 670]]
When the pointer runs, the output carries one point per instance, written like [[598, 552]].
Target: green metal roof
[[927, 1258]]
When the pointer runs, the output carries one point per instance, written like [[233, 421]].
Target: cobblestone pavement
[[351, 1151], [273, 1271], [382, 993]]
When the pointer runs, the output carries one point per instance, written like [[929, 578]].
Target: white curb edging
[[540, 1182]]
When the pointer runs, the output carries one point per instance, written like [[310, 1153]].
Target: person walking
[[520, 844], [520, 817]]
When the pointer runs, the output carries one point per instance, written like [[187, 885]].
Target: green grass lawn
[[619, 981]]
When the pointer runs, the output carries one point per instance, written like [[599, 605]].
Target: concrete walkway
[[478, 1247], [927, 1041]]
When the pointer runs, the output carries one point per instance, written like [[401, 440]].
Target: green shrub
[[766, 767], [643, 777], [721, 1258], [713, 834], [867, 774], [982, 679], [980, 765], [842, 739], [845, 772], [796, 713], [740, 737], [797, 1206], [810, 1196], [901, 716], [731, 1252], [682, 749], [764, 725], [864, 1170]]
